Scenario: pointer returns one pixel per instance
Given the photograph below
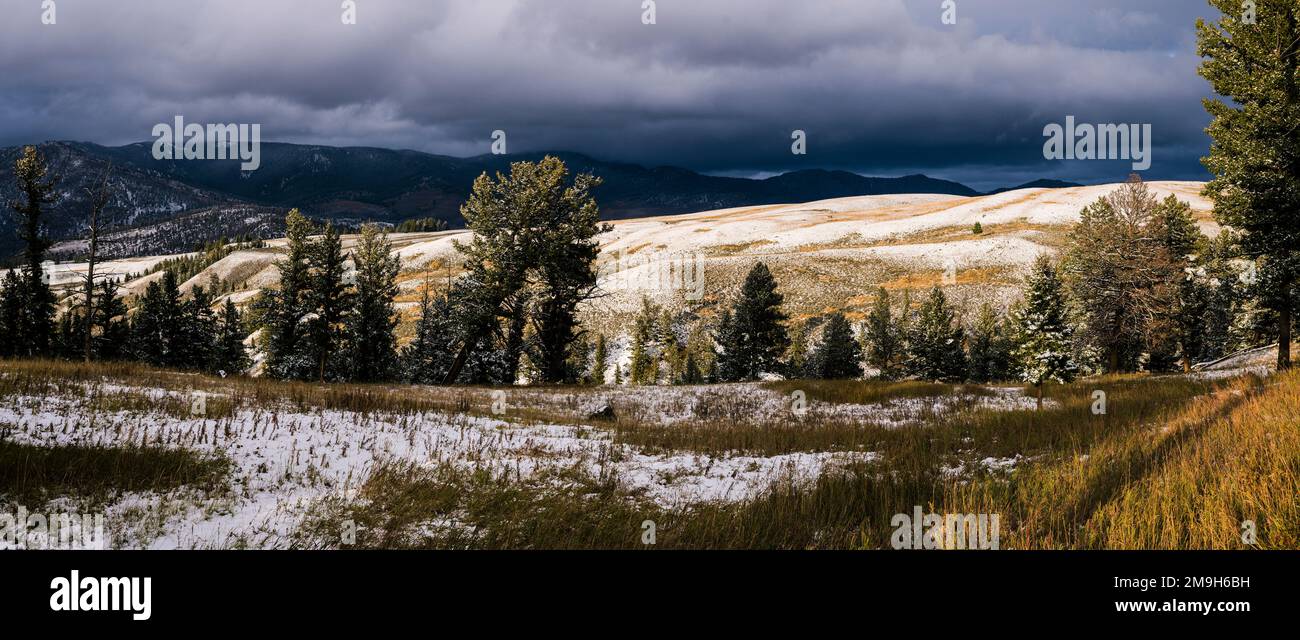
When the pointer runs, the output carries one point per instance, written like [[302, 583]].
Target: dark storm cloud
[[716, 85]]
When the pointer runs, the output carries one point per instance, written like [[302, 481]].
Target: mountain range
[[161, 206]]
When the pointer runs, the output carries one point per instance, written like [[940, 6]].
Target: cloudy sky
[[882, 87]]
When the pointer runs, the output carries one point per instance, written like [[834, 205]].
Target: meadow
[[182, 460]]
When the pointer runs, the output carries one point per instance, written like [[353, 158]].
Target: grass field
[[183, 460]]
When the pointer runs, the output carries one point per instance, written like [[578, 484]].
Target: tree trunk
[[90, 294], [1039, 387], [457, 364], [1112, 359], [1284, 338], [99, 200]]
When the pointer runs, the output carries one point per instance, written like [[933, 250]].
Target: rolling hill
[[827, 255]]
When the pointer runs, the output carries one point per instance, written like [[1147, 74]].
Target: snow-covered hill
[[826, 255]]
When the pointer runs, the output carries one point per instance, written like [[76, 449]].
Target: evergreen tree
[[328, 301], [579, 364], [796, 357], [692, 373], [157, 327], [672, 353], [282, 310], [935, 346], [1255, 152], [229, 355], [1223, 300], [838, 356], [195, 339], [370, 324], [1187, 247], [989, 348], [1125, 296], [884, 345], [516, 316], [69, 336], [756, 337], [112, 331], [1044, 353], [427, 358], [601, 361], [644, 366], [566, 273], [528, 223], [11, 302], [33, 327]]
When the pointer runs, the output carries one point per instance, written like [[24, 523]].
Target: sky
[[880, 87]]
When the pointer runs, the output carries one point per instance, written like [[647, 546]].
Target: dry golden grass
[[1174, 463], [1188, 480]]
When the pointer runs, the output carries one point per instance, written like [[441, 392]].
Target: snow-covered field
[[286, 458]]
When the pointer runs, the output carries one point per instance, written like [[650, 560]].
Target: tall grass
[[31, 475], [1173, 463]]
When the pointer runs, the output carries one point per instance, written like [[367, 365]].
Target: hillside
[[827, 255], [356, 184]]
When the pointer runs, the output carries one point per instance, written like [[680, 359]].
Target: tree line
[[1138, 287]]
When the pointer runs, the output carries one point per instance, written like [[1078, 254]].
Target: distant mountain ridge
[[1037, 184], [365, 183]]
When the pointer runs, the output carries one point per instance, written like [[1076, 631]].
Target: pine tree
[[796, 357], [33, 327], [756, 337], [692, 373], [989, 350], [644, 366], [935, 347], [328, 301], [1044, 353], [110, 324], [282, 310], [370, 324], [229, 355], [195, 341], [428, 357], [11, 302], [838, 356], [1256, 144], [529, 222], [516, 312], [1129, 294], [672, 353], [579, 364], [883, 343], [1187, 247], [601, 361], [566, 273], [69, 336], [1223, 299], [157, 328]]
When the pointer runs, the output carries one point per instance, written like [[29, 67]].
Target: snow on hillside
[[827, 255]]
